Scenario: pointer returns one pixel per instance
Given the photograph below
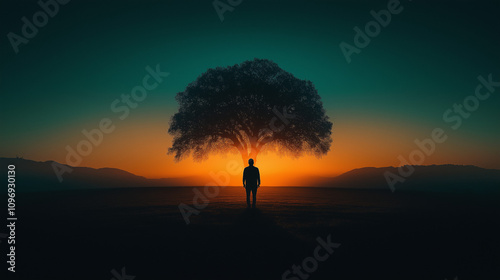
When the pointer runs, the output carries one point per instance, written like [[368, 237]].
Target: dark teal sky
[[426, 59]]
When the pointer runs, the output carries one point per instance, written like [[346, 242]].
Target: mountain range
[[447, 177], [40, 176]]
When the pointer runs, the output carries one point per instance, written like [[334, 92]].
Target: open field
[[383, 235]]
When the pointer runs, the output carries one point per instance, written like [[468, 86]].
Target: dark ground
[[86, 234]]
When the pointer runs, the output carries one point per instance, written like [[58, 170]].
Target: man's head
[[250, 162]]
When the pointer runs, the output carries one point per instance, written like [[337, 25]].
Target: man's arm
[[244, 177], [258, 178]]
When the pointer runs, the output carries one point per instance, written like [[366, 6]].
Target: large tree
[[248, 108]]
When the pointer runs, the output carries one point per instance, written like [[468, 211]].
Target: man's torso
[[251, 175]]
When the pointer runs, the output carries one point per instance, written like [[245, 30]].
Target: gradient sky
[[393, 92]]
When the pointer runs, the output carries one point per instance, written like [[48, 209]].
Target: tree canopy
[[248, 108]]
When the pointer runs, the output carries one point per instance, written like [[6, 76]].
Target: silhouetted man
[[251, 181]]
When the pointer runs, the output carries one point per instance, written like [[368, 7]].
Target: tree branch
[[264, 141]]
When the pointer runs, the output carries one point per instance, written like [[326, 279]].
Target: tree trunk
[[245, 156]]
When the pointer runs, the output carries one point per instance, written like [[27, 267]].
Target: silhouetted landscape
[[430, 178], [250, 140], [40, 176], [120, 221], [392, 235]]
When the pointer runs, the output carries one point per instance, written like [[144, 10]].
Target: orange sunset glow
[[356, 144]]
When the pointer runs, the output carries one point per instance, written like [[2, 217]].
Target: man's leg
[[248, 195], [254, 193]]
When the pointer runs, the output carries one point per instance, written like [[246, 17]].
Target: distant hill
[[40, 176], [440, 178]]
